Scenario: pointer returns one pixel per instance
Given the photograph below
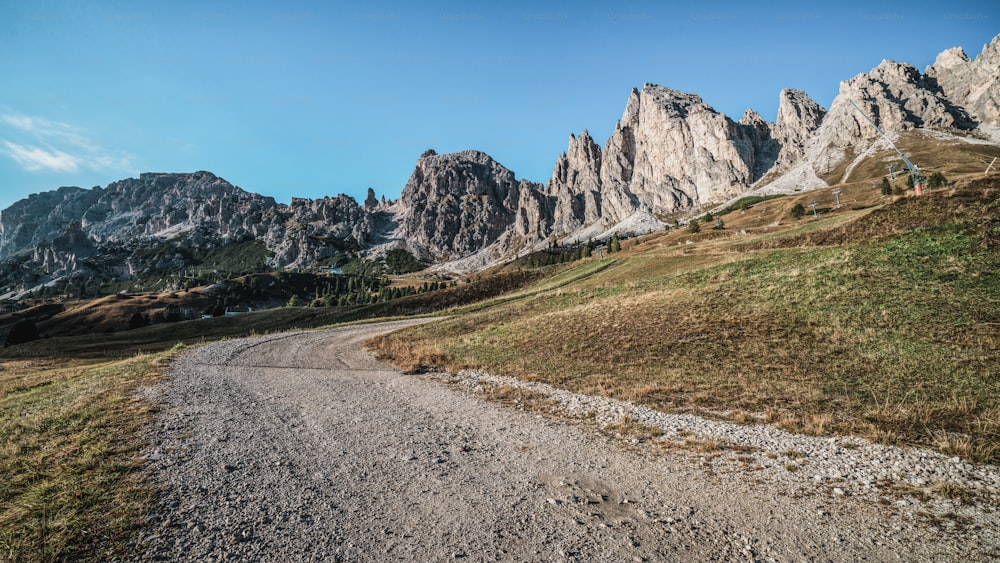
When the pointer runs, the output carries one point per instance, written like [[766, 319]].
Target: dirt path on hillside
[[302, 447]]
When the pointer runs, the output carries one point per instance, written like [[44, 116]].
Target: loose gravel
[[302, 447]]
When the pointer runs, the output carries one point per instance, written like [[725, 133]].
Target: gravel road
[[302, 447]]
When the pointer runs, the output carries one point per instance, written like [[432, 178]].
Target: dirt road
[[302, 447]]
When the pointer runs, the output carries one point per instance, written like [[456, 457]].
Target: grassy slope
[[70, 481], [888, 329], [881, 322], [71, 486]]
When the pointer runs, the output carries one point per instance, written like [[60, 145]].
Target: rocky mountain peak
[[799, 117], [950, 58], [631, 113], [575, 185], [371, 202], [796, 110], [159, 221], [753, 119], [674, 103], [972, 84], [894, 95], [456, 204], [669, 153]]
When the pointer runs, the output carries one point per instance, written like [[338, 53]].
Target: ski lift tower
[[918, 180]]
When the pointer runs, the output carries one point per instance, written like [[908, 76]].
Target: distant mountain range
[[670, 155]]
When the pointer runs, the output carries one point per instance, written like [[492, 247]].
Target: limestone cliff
[[971, 84], [456, 204], [669, 154], [158, 221]]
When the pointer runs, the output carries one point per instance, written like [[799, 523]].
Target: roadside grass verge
[[71, 487], [71, 481], [895, 338]]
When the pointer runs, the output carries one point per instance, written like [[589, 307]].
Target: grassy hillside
[[72, 487], [880, 318], [883, 323]]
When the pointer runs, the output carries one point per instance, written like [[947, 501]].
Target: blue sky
[[309, 99]]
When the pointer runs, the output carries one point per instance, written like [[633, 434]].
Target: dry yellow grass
[[870, 335], [71, 483]]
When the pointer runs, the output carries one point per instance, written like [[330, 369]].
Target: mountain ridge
[[670, 155]]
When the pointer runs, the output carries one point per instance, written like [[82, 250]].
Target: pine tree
[[936, 180], [886, 186], [693, 227], [615, 245]]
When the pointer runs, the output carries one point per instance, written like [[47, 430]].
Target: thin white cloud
[[34, 159], [55, 146], [47, 130]]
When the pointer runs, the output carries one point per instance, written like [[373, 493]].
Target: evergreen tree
[[615, 245], [693, 227], [886, 186], [798, 211], [936, 180]]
